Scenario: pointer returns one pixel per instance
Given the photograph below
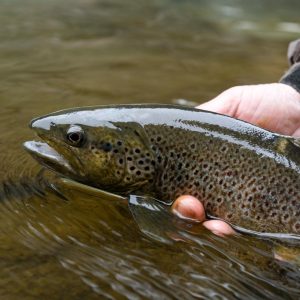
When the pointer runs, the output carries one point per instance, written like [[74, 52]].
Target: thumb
[[226, 103]]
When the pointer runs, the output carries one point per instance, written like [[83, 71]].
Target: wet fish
[[243, 174]]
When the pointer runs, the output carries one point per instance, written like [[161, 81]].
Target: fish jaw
[[48, 157], [44, 150]]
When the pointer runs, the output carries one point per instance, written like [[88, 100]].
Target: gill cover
[[112, 155]]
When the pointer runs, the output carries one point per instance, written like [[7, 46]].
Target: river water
[[58, 54]]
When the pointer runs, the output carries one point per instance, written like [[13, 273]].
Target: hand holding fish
[[241, 173], [274, 106]]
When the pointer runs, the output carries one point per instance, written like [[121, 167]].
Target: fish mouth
[[48, 157]]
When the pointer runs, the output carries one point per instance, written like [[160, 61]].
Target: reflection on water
[[85, 247], [57, 54]]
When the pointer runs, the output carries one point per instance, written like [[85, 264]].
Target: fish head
[[110, 155]]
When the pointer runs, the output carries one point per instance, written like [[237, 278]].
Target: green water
[[58, 54]]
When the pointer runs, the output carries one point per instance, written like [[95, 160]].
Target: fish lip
[[31, 123], [45, 153], [48, 156]]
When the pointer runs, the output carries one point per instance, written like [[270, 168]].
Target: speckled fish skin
[[243, 174]]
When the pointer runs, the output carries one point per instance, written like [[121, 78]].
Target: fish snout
[[41, 124]]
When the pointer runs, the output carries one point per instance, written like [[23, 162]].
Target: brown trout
[[243, 174]]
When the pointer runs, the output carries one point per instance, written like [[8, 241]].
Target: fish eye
[[75, 136]]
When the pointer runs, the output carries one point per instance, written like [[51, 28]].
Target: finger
[[219, 228], [189, 207]]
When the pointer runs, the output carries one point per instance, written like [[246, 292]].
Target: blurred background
[[83, 52], [57, 54]]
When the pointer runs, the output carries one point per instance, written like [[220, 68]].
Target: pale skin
[[274, 106]]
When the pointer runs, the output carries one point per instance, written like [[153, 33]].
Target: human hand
[[275, 107]]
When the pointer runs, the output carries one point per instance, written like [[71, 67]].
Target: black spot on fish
[[107, 147]]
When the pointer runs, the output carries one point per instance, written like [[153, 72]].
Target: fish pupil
[[75, 137]]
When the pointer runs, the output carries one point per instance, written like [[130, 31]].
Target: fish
[[243, 174]]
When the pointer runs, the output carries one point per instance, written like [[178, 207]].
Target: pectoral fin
[[154, 219], [152, 216], [70, 184]]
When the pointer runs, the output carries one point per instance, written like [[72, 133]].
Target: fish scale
[[233, 181]]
